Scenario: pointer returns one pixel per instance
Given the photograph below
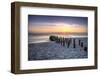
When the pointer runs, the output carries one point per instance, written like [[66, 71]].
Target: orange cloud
[[60, 27]]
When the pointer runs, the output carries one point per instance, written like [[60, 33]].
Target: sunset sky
[[54, 24]]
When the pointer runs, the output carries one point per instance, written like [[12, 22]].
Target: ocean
[[45, 38]]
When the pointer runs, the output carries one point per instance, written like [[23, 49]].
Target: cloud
[[57, 27]]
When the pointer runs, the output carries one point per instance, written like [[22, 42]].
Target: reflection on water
[[38, 39], [45, 38]]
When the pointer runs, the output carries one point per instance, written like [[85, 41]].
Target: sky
[[54, 24]]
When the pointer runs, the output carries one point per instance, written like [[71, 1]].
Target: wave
[[40, 39]]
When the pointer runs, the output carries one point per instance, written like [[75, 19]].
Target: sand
[[53, 50]]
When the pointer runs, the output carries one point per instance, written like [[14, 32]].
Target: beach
[[56, 50]]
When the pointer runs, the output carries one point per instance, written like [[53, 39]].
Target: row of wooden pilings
[[67, 42]]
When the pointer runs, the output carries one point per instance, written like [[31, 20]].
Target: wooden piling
[[85, 49], [63, 41], [79, 42], [74, 44], [69, 41]]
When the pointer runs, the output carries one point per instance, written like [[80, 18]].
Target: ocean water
[[38, 39], [45, 38], [40, 48]]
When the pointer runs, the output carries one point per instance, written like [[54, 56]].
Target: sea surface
[[55, 51], [45, 38], [40, 48]]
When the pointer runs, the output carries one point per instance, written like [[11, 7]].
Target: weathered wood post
[[63, 41], [66, 40], [74, 44], [81, 45], [69, 41], [85, 49], [79, 42], [56, 37]]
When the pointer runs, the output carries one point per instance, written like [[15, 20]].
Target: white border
[[25, 64]]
